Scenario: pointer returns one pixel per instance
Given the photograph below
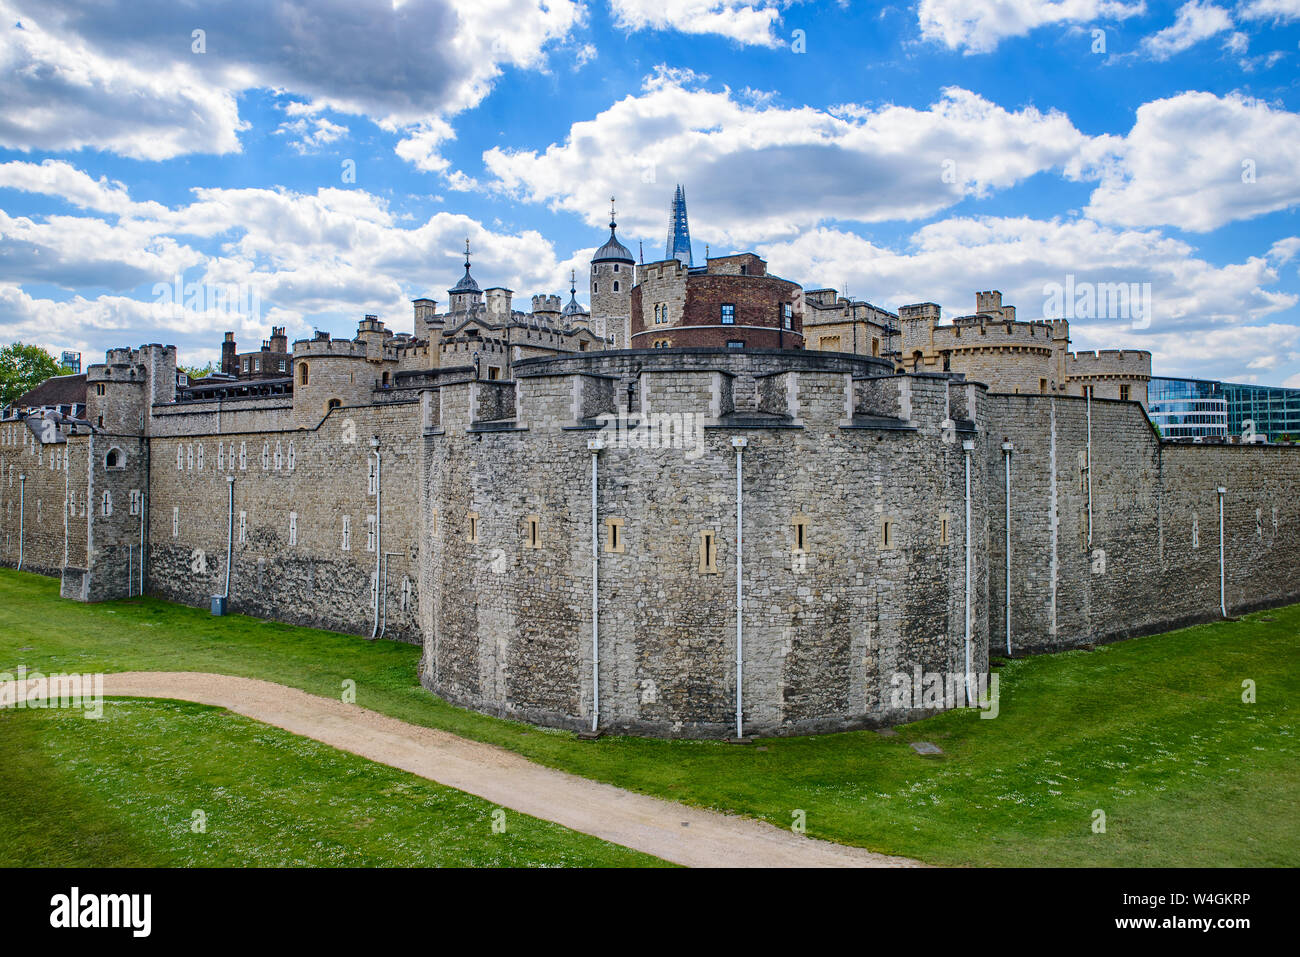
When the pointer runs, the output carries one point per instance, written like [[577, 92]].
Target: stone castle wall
[[486, 527], [508, 624], [1152, 562]]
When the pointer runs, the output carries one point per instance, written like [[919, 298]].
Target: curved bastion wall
[[854, 550]]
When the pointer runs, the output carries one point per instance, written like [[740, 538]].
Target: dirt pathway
[[670, 831]]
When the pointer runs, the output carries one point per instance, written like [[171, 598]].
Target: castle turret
[[466, 293], [612, 277]]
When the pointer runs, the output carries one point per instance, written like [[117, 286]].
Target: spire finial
[[466, 252], [641, 245], [573, 282]]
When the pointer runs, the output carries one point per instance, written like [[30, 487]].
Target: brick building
[[731, 302]]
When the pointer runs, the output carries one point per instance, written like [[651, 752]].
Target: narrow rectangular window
[[370, 533], [279, 456], [372, 479], [176, 522], [189, 457], [221, 456], [1124, 392], [198, 458], [708, 553], [347, 533], [293, 456], [243, 527], [266, 456], [180, 458], [243, 456], [800, 526], [943, 528], [887, 533], [534, 532], [293, 528], [614, 535], [108, 503], [1042, 386], [473, 528], [787, 315], [728, 313], [135, 502]]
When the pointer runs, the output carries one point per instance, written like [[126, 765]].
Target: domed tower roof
[[613, 250], [467, 283], [573, 308]]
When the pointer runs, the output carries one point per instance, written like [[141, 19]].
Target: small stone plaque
[[925, 747]]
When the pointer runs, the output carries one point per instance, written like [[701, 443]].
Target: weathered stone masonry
[[483, 544]]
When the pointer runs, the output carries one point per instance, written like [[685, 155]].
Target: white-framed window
[[243, 456], [176, 521], [243, 528], [370, 533], [293, 457], [293, 528], [189, 457], [266, 456], [107, 503], [231, 461], [221, 456], [347, 533], [372, 479], [180, 458], [198, 457], [279, 456]]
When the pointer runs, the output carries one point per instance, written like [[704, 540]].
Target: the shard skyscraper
[[679, 231]]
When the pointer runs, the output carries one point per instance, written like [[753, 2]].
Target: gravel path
[[673, 832]]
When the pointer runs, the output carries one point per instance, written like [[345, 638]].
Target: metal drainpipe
[[968, 446], [22, 506], [1006, 456], [144, 508], [595, 447], [67, 490], [1223, 583], [739, 443], [230, 533], [379, 551], [1088, 393]]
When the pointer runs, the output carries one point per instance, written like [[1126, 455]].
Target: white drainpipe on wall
[[1088, 462], [22, 506], [968, 446], [1006, 458], [739, 443], [595, 445], [379, 550], [230, 533], [1223, 581]]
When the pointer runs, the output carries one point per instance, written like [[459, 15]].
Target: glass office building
[[1271, 411], [1187, 408]]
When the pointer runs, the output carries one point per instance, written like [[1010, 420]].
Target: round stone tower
[[613, 273]]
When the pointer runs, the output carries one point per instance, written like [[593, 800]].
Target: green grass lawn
[[124, 791], [1151, 731]]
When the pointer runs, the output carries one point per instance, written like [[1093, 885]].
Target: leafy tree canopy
[[23, 368]]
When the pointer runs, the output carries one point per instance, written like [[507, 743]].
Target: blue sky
[[906, 152]]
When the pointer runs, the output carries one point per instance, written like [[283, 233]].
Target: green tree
[[196, 372], [23, 368]]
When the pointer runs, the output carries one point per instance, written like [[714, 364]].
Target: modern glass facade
[[1198, 408], [1187, 408], [1271, 411]]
